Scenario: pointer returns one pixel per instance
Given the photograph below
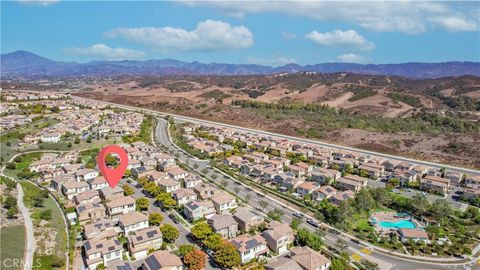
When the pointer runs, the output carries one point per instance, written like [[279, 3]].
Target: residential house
[[249, 247], [205, 190], [72, 188], [323, 192], [168, 185], [279, 237], [307, 188], [97, 183], [223, 202], [198, 209], [85, 174], [184, 195], [109, 194], [99, 229], [247, 219], [325, 176], [191, 180], [131, 222], [101, 252], [341, 196], [88, 196], [351, 182], [162, 259], [90, 212], [225, 225], [373, 170], [120, 206], [472, 180], [141, 241], [435, 183], [177, 173], [455, 178]]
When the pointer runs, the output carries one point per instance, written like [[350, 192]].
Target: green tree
[[11, 166], [227, 256], [340, 264], [195, 260], [213, 241], [184, 249], [170, 233], [12, 212], [77, 140], [9, 202], [127, 190], [142, 204], [201, 231], [295, 223], [155, 219], [306, 238], [46, 214], [364, 200]]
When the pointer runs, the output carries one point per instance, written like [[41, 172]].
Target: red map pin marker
[[112, 175]]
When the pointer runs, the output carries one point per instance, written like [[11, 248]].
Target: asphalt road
[[242, 191]]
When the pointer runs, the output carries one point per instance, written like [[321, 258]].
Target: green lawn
[[56, 223], [12, 244], [27, 159], [362, 224]]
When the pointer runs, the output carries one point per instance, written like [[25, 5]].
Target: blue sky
[[268, 33]]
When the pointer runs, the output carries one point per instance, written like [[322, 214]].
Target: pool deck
[[378, 217]]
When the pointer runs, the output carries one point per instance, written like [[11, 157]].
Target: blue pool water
[[402, 224]]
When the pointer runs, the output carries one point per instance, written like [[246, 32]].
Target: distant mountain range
[[23, 63]]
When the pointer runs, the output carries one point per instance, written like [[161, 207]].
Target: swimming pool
[[402, 224]]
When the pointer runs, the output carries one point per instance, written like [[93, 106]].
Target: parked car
[[173, 218], [297, 214], [313, 223], [210, 253]]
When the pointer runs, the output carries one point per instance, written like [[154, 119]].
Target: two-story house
[[247, 219], [141, 241], [120, 206], [198, 209], [131, 222], [223, 202], [184, 195], [101, 252], [279, 237], [225, 225], [249, 247]]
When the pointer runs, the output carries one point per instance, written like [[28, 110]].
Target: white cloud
[[209, 35], [38, 2], [275, 61], [455, 24], [397, 16], [351, 58], [339, 38], [289, 35], [105, 52]]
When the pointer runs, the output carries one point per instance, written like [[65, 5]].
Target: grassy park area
[[12, 243]]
